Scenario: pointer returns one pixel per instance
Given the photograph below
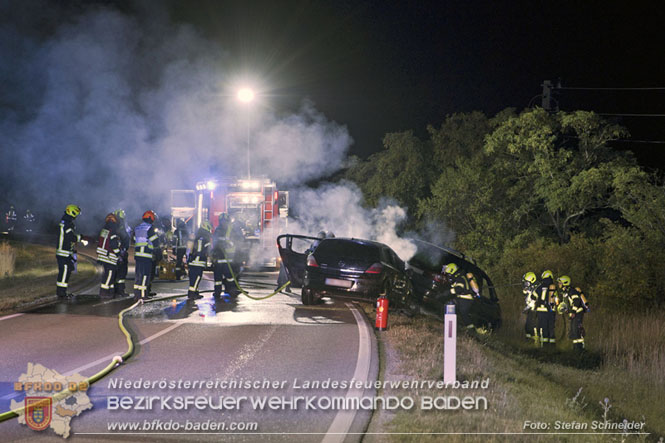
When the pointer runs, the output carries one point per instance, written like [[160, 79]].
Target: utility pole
[[547, 96]]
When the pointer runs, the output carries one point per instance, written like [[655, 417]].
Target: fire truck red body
[[256, 205]]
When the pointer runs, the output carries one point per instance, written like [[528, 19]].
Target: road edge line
[[342, 422]]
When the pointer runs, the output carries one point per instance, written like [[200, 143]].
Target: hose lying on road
[[98, 376], [117, 360]]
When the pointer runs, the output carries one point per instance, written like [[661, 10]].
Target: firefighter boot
[[193, 295]]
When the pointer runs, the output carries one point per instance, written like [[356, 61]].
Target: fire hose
[[119, 359]]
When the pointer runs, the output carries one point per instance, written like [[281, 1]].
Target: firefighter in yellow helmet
[[198, 258], [65, 252], [529, 291], [546, 302], [577, 306], [465, 289]]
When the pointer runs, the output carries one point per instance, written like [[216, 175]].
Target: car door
[[294, 250]]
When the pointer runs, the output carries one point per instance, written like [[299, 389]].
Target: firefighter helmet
[[223, 216], [120, 214], [111, 218], [72, 210], [330, 234], [450, 269], [321, 234], [564, 281], [530, 277], [149, 216], [181, 223], [547, 274], [207, 226]]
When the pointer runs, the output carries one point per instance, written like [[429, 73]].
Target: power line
[[655, 142], [573, 88], [631, 115]]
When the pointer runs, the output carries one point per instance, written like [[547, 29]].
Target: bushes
[[7, 260]]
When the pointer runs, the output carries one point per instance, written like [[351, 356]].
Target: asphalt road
[[276, 341]]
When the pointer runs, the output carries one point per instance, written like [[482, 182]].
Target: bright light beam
[[245, 95]]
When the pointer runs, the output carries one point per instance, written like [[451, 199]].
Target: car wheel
[[307, 296]]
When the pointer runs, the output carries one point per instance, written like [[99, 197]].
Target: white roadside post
[[450, 344]]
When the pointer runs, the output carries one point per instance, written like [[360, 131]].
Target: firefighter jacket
[[530, 297], [575, 300], [461, 287], [147, 240], [199, 255], [180, 237], [546, 297], [108, 245], [67, 237], [223, 248], [124, 234]]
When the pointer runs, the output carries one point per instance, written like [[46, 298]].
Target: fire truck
[[256, 205]]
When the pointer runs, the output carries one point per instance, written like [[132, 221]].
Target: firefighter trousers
[[142, 273], [464, 309], [121, 274], [107, 288], [546, 327], [576, 333], [223, 277], [195, 275], [65, 268], [531, 324], [180, 262]]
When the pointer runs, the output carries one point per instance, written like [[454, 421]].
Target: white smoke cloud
[[121, 111], [338, 208]]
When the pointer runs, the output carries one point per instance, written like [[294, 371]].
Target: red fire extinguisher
[[382, 313]]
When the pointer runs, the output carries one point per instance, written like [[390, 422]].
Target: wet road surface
[[243, 345]]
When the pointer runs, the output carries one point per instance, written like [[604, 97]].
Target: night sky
[[380, 66], [89, 85]]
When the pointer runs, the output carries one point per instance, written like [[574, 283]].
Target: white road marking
[[107, 359], [7, 317], [344, 419]]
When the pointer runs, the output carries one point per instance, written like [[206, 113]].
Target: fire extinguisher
[[382, 313]]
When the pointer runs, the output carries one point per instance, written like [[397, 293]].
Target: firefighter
[[223, 253], [108, 253], [28, 221], [180, 238], [146, 241], [157, 251], [546, 303], [576, 305], [10, 218], [465, 289], [198, 259], [65, 252], [528, 289], [124, 236]]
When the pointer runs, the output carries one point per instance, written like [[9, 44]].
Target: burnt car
[[432, 288], [345, 267]]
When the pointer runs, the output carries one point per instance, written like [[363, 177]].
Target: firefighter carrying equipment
[[546, 304], [577, 304], [464, 293], [72, 210], [108, 252], [147, 240]]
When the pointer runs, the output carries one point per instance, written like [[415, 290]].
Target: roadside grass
[[522, 388], [7, 259], [34, 276]]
